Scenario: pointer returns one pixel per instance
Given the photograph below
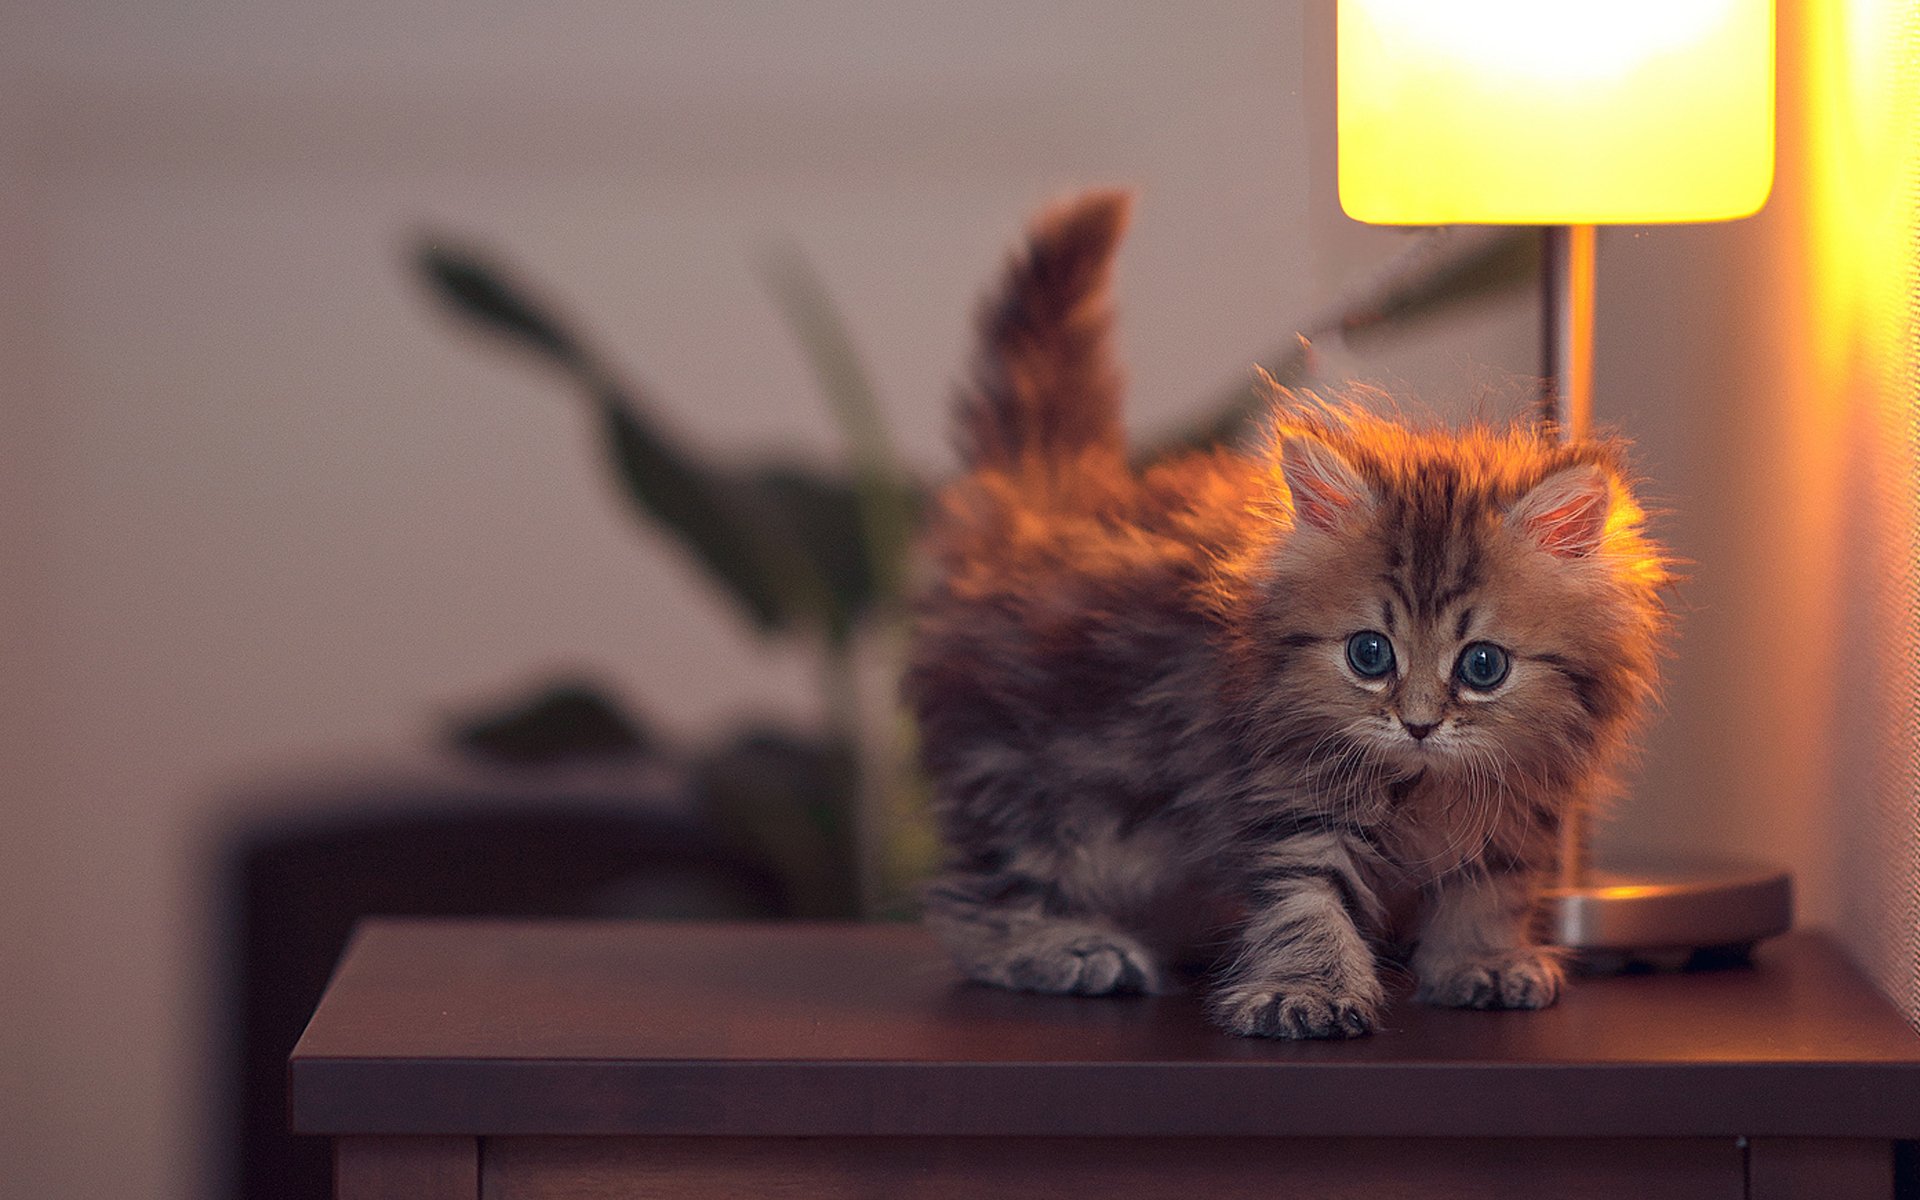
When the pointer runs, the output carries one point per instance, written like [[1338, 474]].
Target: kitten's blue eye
[[1370, 654], [1483, 666]]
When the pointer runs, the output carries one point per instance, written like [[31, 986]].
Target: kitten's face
[[1458, 673], [1448, 623]]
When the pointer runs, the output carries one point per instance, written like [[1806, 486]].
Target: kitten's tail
[[1045, 390]]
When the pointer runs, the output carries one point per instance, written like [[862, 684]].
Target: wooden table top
[[528, 1027]]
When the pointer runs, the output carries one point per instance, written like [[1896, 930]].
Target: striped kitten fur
[[1233, 709]]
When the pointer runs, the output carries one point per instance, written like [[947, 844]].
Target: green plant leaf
[[567, 720], [720, 521], [486, 296], [824, 518], [713, 518], [885, 524], [791, 799]]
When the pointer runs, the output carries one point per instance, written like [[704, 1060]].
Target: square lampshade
[[1554, 112]]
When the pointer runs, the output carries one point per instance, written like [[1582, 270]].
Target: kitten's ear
[[1566, 513], [1326, 490]]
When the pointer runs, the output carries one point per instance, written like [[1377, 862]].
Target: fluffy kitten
[[1238, 701]]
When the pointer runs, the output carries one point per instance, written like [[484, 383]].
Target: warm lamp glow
[[1555, 112]]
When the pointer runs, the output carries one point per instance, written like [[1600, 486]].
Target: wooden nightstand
[[561, 1059]]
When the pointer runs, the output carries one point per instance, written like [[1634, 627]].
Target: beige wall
[[259, 506]]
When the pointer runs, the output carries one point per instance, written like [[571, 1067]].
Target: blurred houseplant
[[822, 555]]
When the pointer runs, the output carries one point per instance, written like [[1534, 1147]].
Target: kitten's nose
[[1419, 729]]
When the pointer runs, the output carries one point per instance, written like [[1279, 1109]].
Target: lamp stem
[[1566, 280], [1566, 407]]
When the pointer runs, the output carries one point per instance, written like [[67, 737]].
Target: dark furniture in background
[[295, 889], [584, 1060]]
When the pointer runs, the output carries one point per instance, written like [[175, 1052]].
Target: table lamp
[[1568, 115]]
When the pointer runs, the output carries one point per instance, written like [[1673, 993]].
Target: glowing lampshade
[[1554, 112]]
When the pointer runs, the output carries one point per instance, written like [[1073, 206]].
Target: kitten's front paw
[[1301, 1009], [1527, 978], [1089, 964]]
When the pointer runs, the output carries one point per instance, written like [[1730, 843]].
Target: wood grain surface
[[496, 1028]]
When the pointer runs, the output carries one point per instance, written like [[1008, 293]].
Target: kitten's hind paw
[[1293, 1010], [1524, 979], [1084, 964]]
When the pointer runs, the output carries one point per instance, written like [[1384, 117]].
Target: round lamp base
[[1672, 913]]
